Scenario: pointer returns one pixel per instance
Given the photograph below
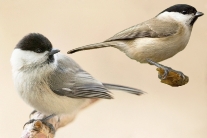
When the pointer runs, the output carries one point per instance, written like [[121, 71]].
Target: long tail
[[124, 88], [92, 46]]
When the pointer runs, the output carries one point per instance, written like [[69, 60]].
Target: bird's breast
[[157, 49]]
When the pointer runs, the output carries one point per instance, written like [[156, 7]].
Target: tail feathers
[[124, 88], [88, 47]]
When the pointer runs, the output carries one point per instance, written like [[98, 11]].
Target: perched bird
[[53, 83], [156, 39]]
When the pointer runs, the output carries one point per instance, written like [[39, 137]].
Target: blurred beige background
[[165, 112]]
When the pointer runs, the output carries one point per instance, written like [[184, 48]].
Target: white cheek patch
[[20, 57], [175, 16]]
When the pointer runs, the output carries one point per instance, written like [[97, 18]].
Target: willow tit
[[156, 39], [53, 83]]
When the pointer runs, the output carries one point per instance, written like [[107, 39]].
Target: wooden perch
[[39, 130]]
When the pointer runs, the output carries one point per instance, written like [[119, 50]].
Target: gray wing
[[71, 81], [151, 28]]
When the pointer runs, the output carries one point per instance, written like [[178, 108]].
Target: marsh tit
[[53, 83], [156, 39]]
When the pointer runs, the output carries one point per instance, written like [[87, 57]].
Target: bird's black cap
[[34, 42], [181, 8]]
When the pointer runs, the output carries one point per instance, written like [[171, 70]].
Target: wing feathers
[[85, 93], [153, 28], [123, 88]]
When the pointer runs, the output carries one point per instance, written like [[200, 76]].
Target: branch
[[39, 130]]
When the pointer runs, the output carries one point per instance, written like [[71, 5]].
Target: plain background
[[164, 112]]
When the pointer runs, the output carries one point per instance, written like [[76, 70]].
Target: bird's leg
[[166, 70], [44, 121]]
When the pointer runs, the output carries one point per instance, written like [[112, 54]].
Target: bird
[[53, 83], [156, 39]]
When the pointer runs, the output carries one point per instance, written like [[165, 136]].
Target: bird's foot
[[166, 70], [43, 121], [170, 76]]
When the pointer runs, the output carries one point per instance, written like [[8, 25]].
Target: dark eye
[[184, 12], [38, 50]]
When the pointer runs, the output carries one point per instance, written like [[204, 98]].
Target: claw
[[181, 75], [32, 113], [48, 117], [50, 126], [29, 122], [44, 121]]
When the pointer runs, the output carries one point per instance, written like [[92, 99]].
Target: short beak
[[198, 14], [54, 51]]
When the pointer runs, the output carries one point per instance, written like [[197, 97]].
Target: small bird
[[156, 39], [53, 83]]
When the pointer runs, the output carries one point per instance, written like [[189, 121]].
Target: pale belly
[[150, 48], [41, 98], [50, 103]]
